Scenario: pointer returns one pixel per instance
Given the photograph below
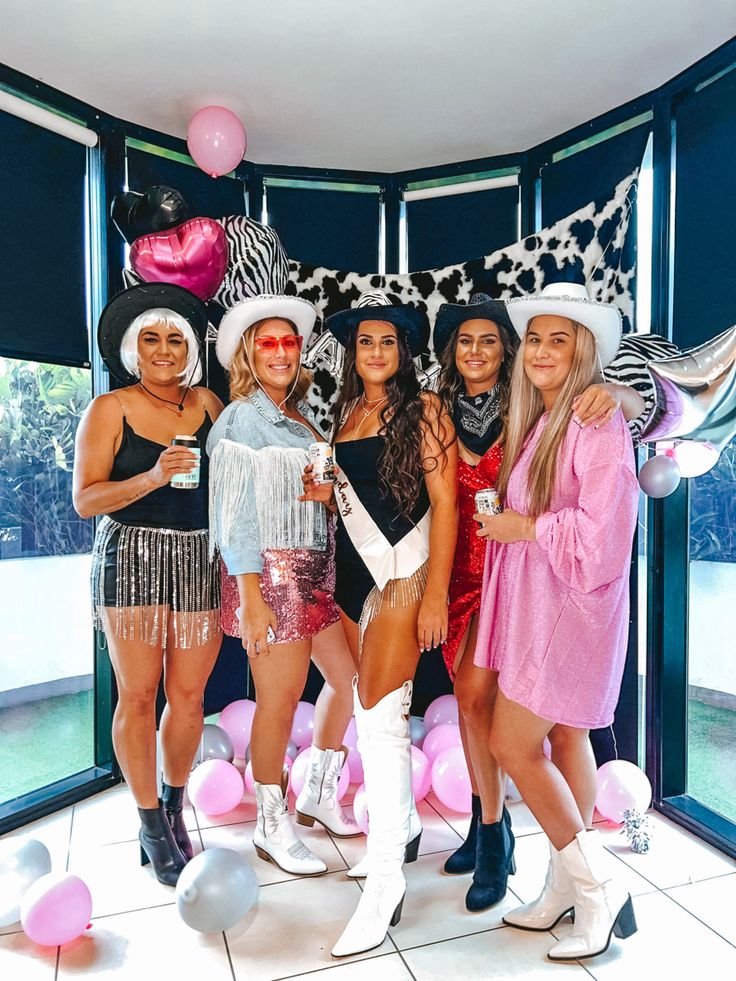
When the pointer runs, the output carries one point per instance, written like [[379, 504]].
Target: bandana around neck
[[477, 420]]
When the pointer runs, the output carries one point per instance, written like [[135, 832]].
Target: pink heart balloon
[[192, 255]]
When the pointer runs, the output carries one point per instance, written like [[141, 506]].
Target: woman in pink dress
[[555, 606]]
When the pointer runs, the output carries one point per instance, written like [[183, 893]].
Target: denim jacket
[[257, 456]]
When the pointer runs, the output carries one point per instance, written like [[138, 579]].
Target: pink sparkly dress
[[555, 612]]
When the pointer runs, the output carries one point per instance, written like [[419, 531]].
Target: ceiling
[[382, 85]]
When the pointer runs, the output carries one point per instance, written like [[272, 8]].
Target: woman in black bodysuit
[[155, 588], [396, 497]]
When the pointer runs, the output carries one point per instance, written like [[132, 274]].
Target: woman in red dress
[[476, 344]]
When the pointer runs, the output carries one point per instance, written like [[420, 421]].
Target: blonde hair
[[526, 408], [243, 381], [174, 321]]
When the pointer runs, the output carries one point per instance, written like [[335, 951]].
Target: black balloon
[[157, 209]]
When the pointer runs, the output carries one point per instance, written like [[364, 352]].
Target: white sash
[[384, 561]]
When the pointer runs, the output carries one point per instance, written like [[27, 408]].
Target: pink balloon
[[441, 711], [421, 774], [216, 140], [439, 739], [249, 780], [192, 255], [300, 769], [621, 786], [451, 780], [215, 787], [354, 761], [360, 809], [55, 909], [237, 721], [302, 728]]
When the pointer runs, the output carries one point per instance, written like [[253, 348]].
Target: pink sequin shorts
[[299, 586]]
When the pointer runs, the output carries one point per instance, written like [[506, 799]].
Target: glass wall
[[711, 731], [46, 658]]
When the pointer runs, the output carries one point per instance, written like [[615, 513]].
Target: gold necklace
[[368, 412]]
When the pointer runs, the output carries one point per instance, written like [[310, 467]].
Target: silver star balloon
[[695, 394]]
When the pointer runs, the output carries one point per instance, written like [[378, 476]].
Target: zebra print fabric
[[629, 367], [257, 262]]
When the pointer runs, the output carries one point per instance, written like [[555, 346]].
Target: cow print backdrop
[[589, 246]]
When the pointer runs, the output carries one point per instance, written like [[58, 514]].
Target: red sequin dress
[[467, 569]]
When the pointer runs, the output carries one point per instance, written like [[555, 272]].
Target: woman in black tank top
[[155, 587]]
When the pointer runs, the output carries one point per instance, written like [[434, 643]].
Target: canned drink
[[487, 501], [187, 481], [323, 465]]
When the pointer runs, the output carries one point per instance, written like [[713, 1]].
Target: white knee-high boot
[[602, 906], [383, 732]]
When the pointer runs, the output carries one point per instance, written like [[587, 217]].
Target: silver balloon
[[214, 744], [22, 861], [695, 394], [215, 890], [660, 476], [417, 730], [292, 750]]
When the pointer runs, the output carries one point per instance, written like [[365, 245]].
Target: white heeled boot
[[275, 839], [383, 732], [318, 798], [602, 906], [411, 852], [556, 900]]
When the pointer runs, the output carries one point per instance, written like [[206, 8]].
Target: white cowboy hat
[[571, 300], [248, 312]]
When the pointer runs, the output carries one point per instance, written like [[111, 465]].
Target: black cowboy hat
[[377, 305], [125, 306], [480, 307]]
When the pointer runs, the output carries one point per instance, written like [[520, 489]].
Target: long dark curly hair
[[451, 383], [400, 465]]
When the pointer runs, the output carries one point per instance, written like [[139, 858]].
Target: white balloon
[[22, 862]]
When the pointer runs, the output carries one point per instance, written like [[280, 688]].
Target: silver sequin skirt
[[154, 578]]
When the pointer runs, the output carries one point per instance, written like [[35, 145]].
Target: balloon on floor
[[215, 787], [237, 721], [22, 862], [214, 744], [302, 727], [440, 738], [215, 890], [421, 774], [622, 786], [451, 780], [56, 909], [442, 711]]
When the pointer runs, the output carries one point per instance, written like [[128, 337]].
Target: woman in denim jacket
[[279, 554]]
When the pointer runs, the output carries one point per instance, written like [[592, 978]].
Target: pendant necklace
[[368, 412], [179, 405]]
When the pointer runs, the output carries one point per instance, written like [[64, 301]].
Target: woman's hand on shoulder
[[432, 620], [507, 527], [596, 406]]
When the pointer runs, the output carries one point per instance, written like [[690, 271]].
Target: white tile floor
[[685, 900]]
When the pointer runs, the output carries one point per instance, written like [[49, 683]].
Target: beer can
[[487, 501], [187, 481], [320, 456]]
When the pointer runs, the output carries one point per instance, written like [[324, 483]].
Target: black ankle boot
[[173, 800], [158, 845], [494, 863], [463, 860]]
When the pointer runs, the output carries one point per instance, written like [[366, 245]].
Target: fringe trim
[[261, 487], [396, 593], [153, 563]]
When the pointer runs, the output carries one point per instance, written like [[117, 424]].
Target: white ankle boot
[[383, 732], [275, 839], [556, 900], [411, 852], [602, 906], [318, 798]]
